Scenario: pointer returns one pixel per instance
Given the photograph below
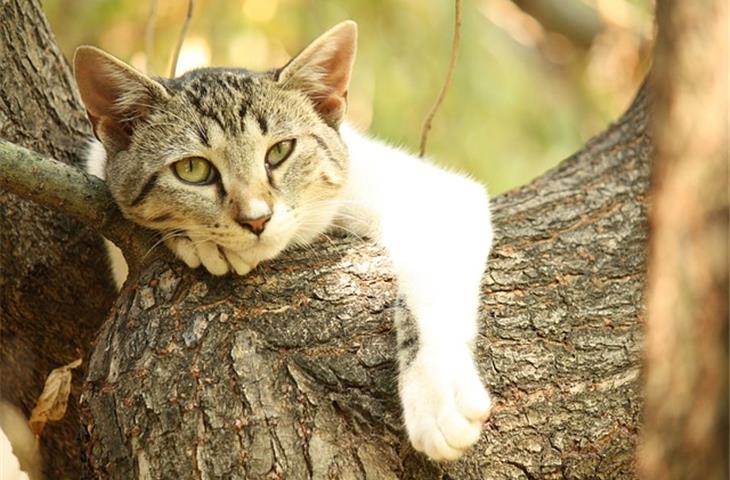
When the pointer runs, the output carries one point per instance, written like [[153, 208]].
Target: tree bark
[[55, 290], [290, 372], [686, 411]]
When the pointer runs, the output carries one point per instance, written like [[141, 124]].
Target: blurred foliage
[[535, 79]]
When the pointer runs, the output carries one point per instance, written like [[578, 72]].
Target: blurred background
[[534, 80]]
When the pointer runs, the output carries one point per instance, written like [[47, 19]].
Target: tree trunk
[[55, 291], [290, 372], [686, 412]]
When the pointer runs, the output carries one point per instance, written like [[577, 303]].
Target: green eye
[[279, 152], [195, 170]]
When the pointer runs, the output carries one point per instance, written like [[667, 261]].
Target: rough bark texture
[[686, 412], [54, 284], [290, 372]]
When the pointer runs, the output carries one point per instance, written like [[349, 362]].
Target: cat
[[233, 166]]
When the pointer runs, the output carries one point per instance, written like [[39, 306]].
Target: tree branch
[[149, 37], [70, 191], [181, 38], [447, 83]]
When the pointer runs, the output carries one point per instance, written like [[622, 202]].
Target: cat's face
[[227, 148], [251, 161]]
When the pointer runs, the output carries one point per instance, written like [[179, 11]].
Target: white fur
[[9, 464], [437, 230], [96, 166], [184, 249], [239, 265], [257, 208]]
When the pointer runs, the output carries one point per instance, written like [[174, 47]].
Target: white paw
[[195, 253], [218, 261], [211, 257], [184, 249], [444, 402], [238, 264]]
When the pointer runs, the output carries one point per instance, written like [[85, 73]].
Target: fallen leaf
[[51, 405]]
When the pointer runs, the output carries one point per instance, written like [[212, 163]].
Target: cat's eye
[[196, 170], [279, 152]]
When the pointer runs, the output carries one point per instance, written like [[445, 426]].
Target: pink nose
[[255, 225]]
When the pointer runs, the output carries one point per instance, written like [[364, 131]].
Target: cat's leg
[[444, 402], [436, 228], [443, 398]]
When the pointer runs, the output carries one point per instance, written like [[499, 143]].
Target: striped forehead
[[223, 99]]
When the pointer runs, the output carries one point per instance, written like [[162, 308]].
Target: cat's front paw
[[216, 260], [196, 253], [184, 249], [237, 263], [444, 403]]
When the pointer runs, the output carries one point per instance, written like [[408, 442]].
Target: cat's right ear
[[116, 95], [322, 71]]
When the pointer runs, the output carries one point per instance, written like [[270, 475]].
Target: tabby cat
[[233, 166]]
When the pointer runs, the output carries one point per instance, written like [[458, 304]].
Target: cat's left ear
[[322, 71]]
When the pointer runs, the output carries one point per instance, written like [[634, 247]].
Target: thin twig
[[456, 40], [181, 38], [149, 36]]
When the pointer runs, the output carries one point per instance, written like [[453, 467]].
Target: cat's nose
[[254, 225]]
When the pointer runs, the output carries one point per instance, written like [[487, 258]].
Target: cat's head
[[250, 160]]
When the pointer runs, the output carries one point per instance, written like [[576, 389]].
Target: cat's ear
[[117, 97], [322, 71]]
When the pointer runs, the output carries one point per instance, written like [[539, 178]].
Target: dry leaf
[[51, 405]]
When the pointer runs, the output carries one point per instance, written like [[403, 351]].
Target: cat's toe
[[184, 249], [239, 265], [440, 438], [472, 399], [458, 431], [212, 258], [437, 446]]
